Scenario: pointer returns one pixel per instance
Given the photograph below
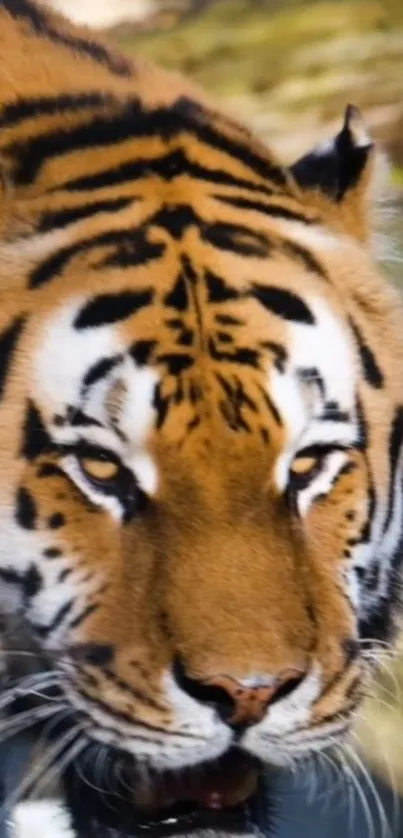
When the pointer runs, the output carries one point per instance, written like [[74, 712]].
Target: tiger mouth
[[219, 795], [222, 784]]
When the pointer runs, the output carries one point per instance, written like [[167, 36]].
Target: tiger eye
[[303, 465], [101, 470]]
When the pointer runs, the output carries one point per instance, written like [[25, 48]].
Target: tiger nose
[[240, 703]]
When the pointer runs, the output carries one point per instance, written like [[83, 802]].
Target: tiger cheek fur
[[201, 421]]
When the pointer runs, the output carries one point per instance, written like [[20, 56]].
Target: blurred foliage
[[291, 71]]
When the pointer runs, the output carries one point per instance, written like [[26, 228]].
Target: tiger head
[[201, 421]]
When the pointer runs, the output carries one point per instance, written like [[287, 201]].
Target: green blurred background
[[288, 68]]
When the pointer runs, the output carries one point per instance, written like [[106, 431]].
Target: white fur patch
[[62, 360], [315, 237], [44, 818], [325, 347], [136, 419], [64, 355], [328, 347], [34, 248], [287, 395], [146, 472]]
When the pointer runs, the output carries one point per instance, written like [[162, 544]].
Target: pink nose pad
[[248, 705], [239, 704]]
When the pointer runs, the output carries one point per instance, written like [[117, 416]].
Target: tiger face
[[201, 432]]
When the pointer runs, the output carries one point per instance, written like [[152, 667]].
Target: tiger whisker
[[56, 769], [383, 820], [26, 687], [84, 778], [26, 720], [391, 776], [28, 784]]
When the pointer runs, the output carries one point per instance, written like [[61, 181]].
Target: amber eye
[[304, 466], [99, 469]]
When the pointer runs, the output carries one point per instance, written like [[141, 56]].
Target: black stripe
[[312, 376], [271, 406], [25, 509], [279, 352], [307, 259], [366, 531], [273, 210], [93, 654], [395, 450], [202, 124], [10, 576], [114, 713], [55, 264], [42, 25], [141, 351], [69, 215], [56, 521], [237, 239], [284, 304], [8, 344], [175, 364], [35, 438], [351, 649], [167, 168], [77, 418], [228, 320], [32, 583], [16, 112], [132, 250], [124, 686], [372, 373], [100, 370], [110, 308], [52, 553], [289, 248], [106, 129], [134, 120], [161, 405], [86, 612], [219, 291], [176, 218], [362, 426], [60, 615], [51, 470], [240, 355], [133, 245]]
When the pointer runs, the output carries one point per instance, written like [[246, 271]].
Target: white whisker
[[383, 821], [49, 758], [56, 768], [23, 721]]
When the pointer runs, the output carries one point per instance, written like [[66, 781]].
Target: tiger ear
[[340, 176]]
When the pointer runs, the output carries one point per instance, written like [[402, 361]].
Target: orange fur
[[217, 570]]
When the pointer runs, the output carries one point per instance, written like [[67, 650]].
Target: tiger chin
[[201, 425]]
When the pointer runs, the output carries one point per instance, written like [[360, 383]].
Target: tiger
[[201, 424]]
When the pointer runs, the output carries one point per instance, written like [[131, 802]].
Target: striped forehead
[[83, 362]]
